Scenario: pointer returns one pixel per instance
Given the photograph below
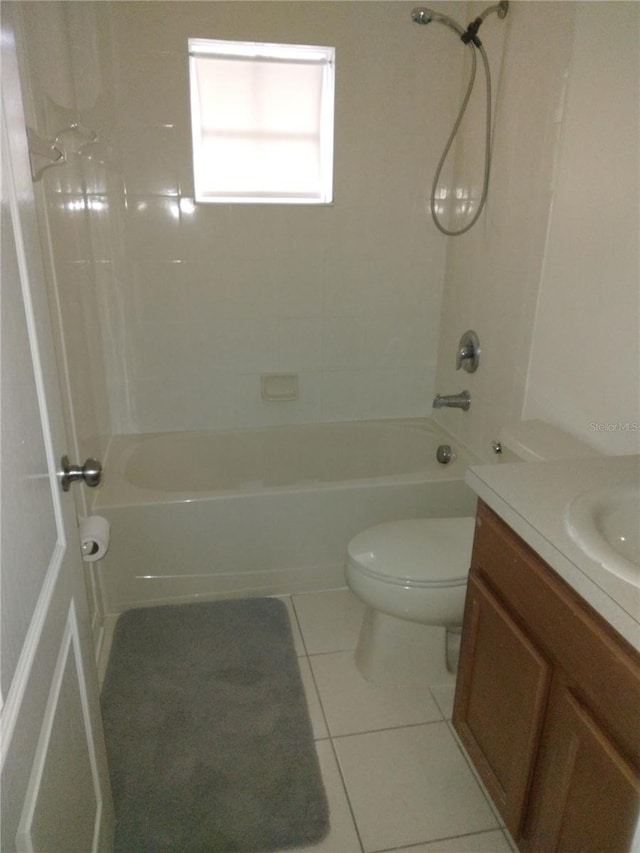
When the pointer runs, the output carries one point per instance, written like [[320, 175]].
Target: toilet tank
[[538, 441]]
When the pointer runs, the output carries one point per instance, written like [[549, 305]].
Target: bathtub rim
[[117, 491]]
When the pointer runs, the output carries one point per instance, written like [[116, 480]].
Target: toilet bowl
[[412, 575]]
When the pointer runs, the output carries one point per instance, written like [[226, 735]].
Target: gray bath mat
[[208, 735]]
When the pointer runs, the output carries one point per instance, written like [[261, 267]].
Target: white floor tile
[[329, 621], [485, 842], [295, 630], [353, 704], [410, 786], [407, 781], [476, 775], [342, 837], [444, 695], [313, 702]]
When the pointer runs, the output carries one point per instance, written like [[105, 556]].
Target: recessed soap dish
[[279, 387]]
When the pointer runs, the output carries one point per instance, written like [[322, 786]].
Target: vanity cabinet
[[547, 702]]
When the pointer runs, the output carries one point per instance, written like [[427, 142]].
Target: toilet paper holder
[[95, 537]]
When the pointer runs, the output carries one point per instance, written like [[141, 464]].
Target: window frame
[[266, 52]]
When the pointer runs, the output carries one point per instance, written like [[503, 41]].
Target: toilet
[[412, 575]]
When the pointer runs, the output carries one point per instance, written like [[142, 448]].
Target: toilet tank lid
[[537, 441], [420, 551]]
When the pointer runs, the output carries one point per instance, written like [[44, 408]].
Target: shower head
[[422, 15]]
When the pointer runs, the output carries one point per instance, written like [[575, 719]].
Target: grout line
[[440, 708], [444, 716], [300, 631], [333, 739], [346, 794], [313, 678], [391, 729], [410, 847], [331, 652], [476, 776], [324, 589], [320, 702], [330, 736]]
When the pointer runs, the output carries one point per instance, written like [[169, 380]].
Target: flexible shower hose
[[452, 136]]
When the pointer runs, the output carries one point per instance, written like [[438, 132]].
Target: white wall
[[584, 373], [493, 271], [347, 296]]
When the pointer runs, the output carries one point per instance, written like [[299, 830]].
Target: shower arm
[[501, 8]]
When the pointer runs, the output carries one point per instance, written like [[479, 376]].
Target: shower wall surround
[[64, 57], [64, 53], [549, 276], [170, 312], [348, 296], [493, 271]]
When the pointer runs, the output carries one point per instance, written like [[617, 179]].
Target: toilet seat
[[415, 552]]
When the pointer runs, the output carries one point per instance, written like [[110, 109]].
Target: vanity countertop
[[533, 497]]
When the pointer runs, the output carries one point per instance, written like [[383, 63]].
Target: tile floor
[[395, 776]]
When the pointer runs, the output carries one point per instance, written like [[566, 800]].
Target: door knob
[[90, 472]]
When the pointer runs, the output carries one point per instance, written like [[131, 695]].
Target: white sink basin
[[605, 523]]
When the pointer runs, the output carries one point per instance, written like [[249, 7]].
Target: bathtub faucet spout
[[453, 401]]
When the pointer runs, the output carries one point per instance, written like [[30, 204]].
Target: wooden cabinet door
[[501, 695], [586, 794]]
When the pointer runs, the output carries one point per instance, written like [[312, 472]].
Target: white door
[[54, 783]]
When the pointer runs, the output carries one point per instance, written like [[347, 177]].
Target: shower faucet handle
[[468, 355]]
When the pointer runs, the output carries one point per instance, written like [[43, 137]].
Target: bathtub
[[205, 515]]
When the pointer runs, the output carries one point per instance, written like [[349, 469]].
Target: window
[[262, 122]]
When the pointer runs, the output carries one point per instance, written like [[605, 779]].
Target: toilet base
[[392, 650]]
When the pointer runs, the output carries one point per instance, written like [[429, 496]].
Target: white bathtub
[[198, 515]]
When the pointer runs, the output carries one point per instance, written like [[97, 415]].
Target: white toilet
[[412, 575]]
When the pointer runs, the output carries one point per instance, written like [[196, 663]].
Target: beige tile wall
[[493, 271], [66, 80], [549, 277], [348, 296], [65, 71], [171, 313]]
